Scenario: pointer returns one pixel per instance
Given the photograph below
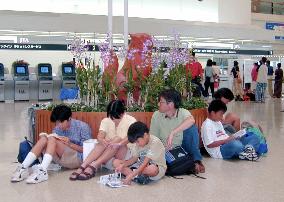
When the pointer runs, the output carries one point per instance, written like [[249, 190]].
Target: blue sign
[[273, 25]]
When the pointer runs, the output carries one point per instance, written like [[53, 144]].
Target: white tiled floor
[[226, 180]]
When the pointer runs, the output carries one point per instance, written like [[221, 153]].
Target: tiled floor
[[226, 180]]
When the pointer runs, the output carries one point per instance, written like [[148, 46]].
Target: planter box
[[43, 124]]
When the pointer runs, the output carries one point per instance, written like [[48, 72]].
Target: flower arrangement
[[98, 85]]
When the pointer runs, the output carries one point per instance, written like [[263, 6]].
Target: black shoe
[[142, 179]]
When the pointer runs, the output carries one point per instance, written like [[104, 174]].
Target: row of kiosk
[[23, 86]]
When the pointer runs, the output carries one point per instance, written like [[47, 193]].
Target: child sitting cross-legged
[[148, 157], [219, 145]]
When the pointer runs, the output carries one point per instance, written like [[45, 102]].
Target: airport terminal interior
[[85, 53]]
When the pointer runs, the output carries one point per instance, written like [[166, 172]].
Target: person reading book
[[220, 145], [64, 146]]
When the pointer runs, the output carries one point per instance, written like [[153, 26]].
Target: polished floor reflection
[[226, 180]]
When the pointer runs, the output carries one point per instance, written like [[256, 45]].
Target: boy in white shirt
[[218, 144]]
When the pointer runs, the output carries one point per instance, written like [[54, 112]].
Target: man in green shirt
[[175, 126]]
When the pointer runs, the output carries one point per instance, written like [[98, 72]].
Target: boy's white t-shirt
[[212, 131]]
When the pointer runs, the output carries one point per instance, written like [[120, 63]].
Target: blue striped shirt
[[78, 132]]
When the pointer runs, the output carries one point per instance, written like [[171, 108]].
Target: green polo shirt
[[161, 126]]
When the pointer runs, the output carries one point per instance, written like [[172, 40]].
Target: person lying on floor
[[64, 148], [219, 145], [112, 141], [148, 161]]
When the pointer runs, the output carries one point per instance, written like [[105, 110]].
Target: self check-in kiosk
[[45, 81], [2, 83], [68, 75], [21, 79]]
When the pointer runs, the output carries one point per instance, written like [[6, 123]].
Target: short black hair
[[268, 62], [236, 63], [193, 54], [263, 60], [115, 109], [209, 62], [171, 95], [136, 130], [278, 64], [214, 63], [225, 93], [216, 106], [60, 113]]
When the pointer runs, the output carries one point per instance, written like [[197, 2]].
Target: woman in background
[[278, 82]]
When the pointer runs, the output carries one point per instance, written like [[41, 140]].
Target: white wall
[[189, 10], [235, 11]]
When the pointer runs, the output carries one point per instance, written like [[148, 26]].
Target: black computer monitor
[[21, 70], [1, 69], [68, 70], [44, 69]]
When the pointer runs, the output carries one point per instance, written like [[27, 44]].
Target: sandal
[[74, 175], [85, 175]]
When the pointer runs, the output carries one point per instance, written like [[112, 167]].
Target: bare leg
[[40, 146], [121, 153], [151, 170], [234, 120], [125, 171]]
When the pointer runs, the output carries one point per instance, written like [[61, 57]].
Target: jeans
[[260, 92], [233, 148], [190, 142]]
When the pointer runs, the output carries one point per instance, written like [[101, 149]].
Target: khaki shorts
[[162, 171], [69, 159]]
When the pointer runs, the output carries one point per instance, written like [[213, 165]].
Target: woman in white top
[[261, 82], [112, 141]]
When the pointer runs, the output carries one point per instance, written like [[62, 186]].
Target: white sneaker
[[39, 175], [20, 174], [248, 156]]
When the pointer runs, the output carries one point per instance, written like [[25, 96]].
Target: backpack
[[24, 148], [179, 162]]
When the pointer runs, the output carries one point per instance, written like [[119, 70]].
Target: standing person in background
[[254, 76], [278, 82], [261, 81], [209, 78], [216, 72], [269, 78], [237, 82], [195, 68]]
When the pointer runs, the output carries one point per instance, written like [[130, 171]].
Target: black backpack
[[179, 162]]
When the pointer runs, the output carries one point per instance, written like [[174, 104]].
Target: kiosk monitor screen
[[44, 70], [68, 70], [20, 70]]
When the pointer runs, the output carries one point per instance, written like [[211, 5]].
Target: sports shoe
[[20, 174], [142, 179], [39, 175], [249, 149], [250, 156]]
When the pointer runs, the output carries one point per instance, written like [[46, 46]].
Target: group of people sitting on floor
[[132, 148]]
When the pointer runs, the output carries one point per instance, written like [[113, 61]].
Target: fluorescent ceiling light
[[267, 46], [218, 45], [226, 39], [9, 38], [213, 41], [245, 40], [208, 38]]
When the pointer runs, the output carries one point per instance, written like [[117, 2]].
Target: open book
[[62, 138], [240, 133]]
